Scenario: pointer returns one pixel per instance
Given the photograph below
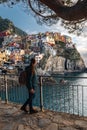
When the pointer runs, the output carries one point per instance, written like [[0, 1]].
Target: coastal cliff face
[[64, 60]]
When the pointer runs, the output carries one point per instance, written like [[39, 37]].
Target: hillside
[[6, 24]]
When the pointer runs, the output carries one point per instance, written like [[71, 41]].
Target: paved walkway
[[12, 118]]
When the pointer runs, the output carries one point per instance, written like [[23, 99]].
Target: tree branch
[[74, 13]]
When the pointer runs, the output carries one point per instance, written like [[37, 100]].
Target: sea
[[70, 97]]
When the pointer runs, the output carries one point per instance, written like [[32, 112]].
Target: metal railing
[[69, 97]]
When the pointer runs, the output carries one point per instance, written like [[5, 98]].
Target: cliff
[[63, 60]]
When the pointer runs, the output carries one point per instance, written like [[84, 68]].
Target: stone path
[[12, 118]]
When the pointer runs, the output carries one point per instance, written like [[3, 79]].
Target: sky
[[25, 21]]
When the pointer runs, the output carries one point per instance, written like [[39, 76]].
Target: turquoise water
[[70, 97]]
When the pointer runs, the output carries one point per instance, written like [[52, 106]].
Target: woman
[[31, 84]]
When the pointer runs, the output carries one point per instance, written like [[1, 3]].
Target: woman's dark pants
[[29, 101]]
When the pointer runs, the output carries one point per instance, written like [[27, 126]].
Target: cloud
[[81, 45], [57, 28], [31, 32]]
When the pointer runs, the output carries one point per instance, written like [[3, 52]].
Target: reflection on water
[[70, 97], [75, 78]]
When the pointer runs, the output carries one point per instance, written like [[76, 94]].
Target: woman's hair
[[32, 61], [32, 65]]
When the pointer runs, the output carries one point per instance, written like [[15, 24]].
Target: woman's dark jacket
[[31, 78]]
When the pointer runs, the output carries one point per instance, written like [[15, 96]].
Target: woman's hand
[[32, 91]]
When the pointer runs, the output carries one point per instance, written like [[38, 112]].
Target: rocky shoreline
[[12, 118]]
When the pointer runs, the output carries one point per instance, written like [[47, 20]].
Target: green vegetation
[[72, 54], [6, 24], [68, 53], [61, 44]]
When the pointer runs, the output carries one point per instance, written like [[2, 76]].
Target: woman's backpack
[[24, 75], [23, 78]]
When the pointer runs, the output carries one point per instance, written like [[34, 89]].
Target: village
[[17, 50]]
